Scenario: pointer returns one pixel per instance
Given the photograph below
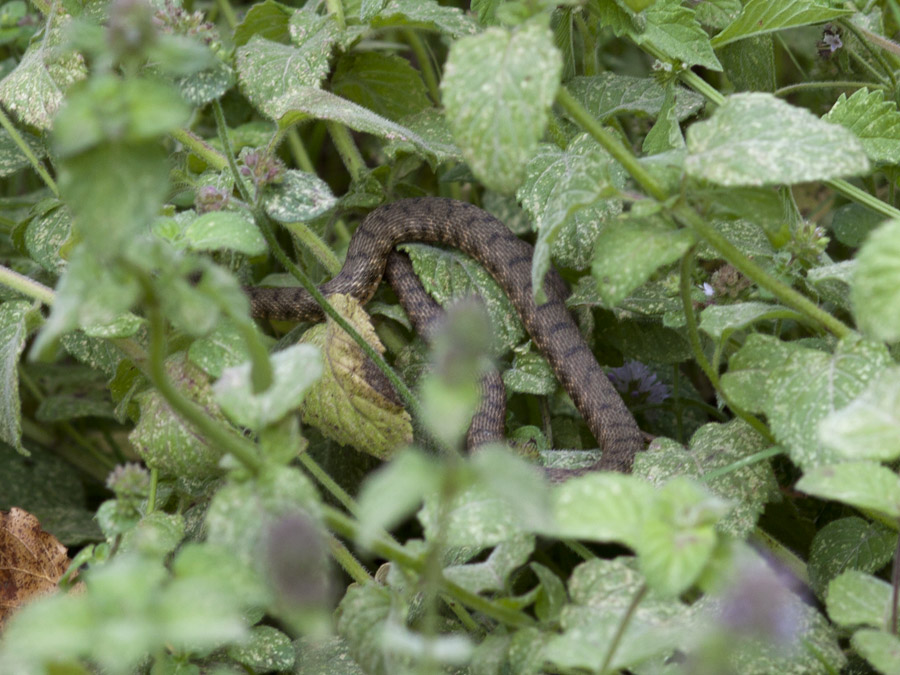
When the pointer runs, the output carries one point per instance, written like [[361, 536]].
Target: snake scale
[[508, 259]]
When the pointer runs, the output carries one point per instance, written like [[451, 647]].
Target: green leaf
[[497, 89], [267, 19], [876, 285], [678, 535], [869, 427], [812, 385], [353, 403], [270, 73], [859, 599], [764, 16], [865, 485], [241, 515], [673, 30], [11, 157], [224, 231], [720, 321], [296, 369], [395, 491], [448, 275], [833, 281], [609, 94], [750, 64], [602, 592], [627, 253], [307, 102], [204, 86], [747, 380], [875, 122], [362, 615], [849, 544], [427, 15], [298, 198], [757, 139], [713, 447], [45, 236], [164, 440], [34, 90], [223, 348], [493, 573], [266, 650], [17, 318], [372, 80], [530, 374], [880, 648], [121, 112], [852, 223], [666, 133], [325, 655], [602, 507], [71, 406], [570, 195]]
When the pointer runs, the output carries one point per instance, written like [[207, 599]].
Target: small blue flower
[[638, 384]]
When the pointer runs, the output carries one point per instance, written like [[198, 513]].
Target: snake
[[508, 259]]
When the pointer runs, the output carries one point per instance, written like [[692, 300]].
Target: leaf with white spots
[[530, 374], [765, 16], [880, 648], [628, 252], [224, 348], [427, 15], [353, 403], [875, 122], [295, 370], [811, 386], [571, 194], [849, 544], [46, 234], [224, 231], [270, 72], [859, 599], [34, 90], [493, 573], [863, 485], [449, 275], [720, 321], [713, 447], [869, 427], [11, 157], [431, 126], [498, 88], [298, 198], [673, 30], [267, 649], [609, 94], [306, 102], [758, 139], [17, 319], [875, 292], [206, 85]]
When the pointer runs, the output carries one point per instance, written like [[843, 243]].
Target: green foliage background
[[716, 181]]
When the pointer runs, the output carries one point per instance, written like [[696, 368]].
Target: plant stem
[[298, 150], [336, 9], [314, 243], [201, 148], [348, 561], [7, 124], [426, 65], [835, 84], [623, 624], [744, 461], [895, 587], [347, 149], [228, 13], [346, 527], [217, 436], [329, 483], [27, 287]]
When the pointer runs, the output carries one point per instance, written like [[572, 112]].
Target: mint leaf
[[864, 485], [875, 291], [764, 16], [875, 122], [498, 88], [757, 139]]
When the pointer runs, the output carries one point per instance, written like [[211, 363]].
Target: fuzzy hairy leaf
[[627, 253], [869, 427], [875, 122], [764, 16], [343, 404], [875, 292], [425, 14], [372, 80], [570, 195], [757, 139], [864, 485], [609, 93], [712, 447], [849, 544], [224, 230], [673, 29], [498, 113], [859, 599], [812, 385], [299, 198]]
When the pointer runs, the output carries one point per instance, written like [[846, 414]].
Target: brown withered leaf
[[31, 561]]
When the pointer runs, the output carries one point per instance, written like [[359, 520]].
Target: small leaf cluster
[[715, 181]]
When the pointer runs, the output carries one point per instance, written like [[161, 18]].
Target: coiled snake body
[[508, 259]]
